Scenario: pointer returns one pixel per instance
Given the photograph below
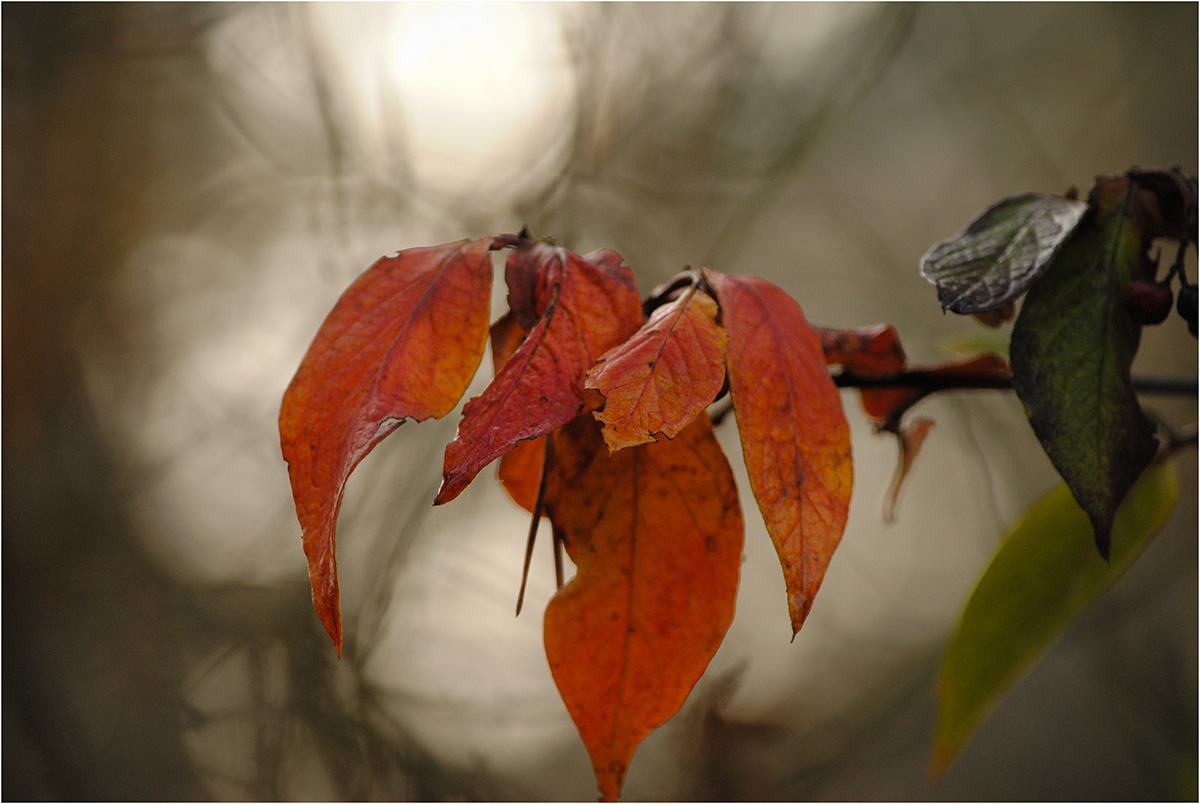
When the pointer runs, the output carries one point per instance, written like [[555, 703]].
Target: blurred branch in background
[[188, 188]]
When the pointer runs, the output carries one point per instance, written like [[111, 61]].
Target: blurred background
[[188, 188]]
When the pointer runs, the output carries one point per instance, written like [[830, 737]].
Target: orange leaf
[[577, 308], [665, 375], [656, 535], [875, 352], [795, 438], [401, 343], [520, 471]]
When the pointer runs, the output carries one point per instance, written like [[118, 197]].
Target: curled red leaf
[[520, 469], [659, 380], [576, 309], [402, 342]]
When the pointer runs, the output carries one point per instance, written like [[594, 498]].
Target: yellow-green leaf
[[1044, 576]]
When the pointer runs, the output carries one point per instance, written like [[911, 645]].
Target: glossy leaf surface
[[795, 438], [1001, 253], [402, 342], [576, 309], [1045, 574], [659, 380], [1072, 349], [656, 535]]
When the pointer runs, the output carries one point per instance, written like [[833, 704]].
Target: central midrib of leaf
[[630, 599]]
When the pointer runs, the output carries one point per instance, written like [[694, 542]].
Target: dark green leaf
[[1043, 577], [1072, 348], [1001, 252]]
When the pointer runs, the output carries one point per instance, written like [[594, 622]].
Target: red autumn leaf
[[872, 352], [401, 343], [576, 308], [665, 375], [656, 535], [869, 352], [520, 470], [795, 437]]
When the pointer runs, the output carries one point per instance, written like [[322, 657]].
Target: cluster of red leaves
[[597, 413]]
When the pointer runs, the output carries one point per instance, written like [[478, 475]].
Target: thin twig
[[928, 381], [931, 382], [537, 517]]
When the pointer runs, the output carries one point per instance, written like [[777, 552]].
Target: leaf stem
[[533, 527]]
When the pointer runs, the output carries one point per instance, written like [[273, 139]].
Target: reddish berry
[[1186, 306], [1148, 303]]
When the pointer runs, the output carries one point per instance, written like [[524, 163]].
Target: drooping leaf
[[911, 438], [520, 469], [795, 438], [506, 335], [659, 380], [1045, 574], [402, 342], [656, 535], [1001, 252], [576, 308], [1072, 348]]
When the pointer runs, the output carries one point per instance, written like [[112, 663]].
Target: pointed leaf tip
[[795, 437], [1043, 577], [402, 342], [656, 534], [1072, 349]]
